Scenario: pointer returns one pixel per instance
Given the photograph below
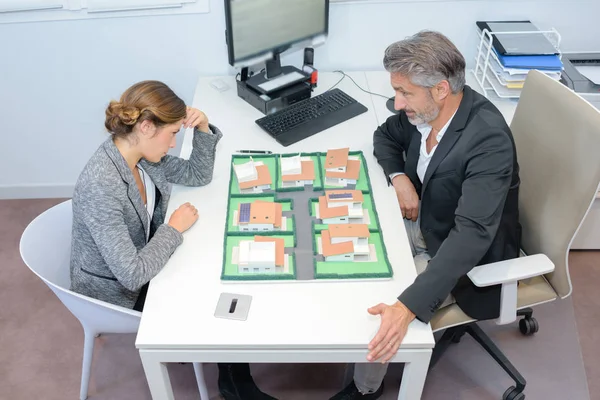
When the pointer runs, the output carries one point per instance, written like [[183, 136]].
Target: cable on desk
[[337, 83], [357, 85]]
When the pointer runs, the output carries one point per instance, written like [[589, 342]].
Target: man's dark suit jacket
[[469, 203]]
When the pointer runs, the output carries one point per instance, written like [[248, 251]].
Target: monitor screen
[[259, 27]]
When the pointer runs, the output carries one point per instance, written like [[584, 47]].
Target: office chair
[[46, 249], [556, 133]]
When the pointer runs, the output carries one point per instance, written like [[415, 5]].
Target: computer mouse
[[390, 105]]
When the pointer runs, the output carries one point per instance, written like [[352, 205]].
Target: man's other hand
[[407, 197]]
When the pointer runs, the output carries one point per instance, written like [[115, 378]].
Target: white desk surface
[[181, 301]]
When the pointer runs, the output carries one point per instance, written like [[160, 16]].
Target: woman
[[120, 238]]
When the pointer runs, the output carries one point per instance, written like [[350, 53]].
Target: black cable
[[357, 85]]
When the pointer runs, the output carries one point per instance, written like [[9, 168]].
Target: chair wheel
[[513, 394], [528, 326]]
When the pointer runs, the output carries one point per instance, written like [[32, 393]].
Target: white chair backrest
[[557, 135], [46, 249], [46, 245]]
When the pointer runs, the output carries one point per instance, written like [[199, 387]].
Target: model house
[[297, 171], [253, 176], [340, 168], [341, 207], [345, 242], [259, 215], [245, 172], [263, 254]]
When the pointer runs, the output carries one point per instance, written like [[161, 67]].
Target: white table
[[295, 322]]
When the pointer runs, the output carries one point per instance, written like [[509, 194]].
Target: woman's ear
[[147, 127]]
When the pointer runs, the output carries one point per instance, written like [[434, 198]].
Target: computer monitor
[[260, 30]]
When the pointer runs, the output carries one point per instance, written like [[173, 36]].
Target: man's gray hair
[[427, 58]]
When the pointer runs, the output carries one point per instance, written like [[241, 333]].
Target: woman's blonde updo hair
[[147, 100]]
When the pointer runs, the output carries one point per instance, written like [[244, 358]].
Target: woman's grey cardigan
[[110, 257]]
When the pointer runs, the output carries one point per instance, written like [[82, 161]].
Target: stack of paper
[[514, 78], [514, 54]]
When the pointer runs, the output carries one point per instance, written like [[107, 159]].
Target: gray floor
[[41, 346], [550, 361]]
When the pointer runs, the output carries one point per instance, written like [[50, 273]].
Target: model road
[[305, 258]]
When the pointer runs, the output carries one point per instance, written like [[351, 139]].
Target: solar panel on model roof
[[244, 212], [340, 196]]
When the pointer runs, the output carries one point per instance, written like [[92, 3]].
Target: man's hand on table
[[394, 324]]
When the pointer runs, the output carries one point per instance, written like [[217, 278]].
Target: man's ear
[[442, 90]]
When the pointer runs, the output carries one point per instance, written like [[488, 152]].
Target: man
[[457, 189]]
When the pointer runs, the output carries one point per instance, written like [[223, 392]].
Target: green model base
[[355, 270], [368, 209], [363, 182], [318, 182], [231, 271], [234, 202], [319, 269]]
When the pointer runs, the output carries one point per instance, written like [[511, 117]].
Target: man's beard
[[430, 113]]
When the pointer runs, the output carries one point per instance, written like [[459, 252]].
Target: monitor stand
[[276, 77]]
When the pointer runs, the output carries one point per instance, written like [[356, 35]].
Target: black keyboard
[[307, 117]]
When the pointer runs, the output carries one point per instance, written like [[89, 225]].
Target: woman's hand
[[196, 118], [184, 217]]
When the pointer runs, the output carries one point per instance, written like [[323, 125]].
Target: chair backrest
[[557, 135], [46, 245], [46, 249]]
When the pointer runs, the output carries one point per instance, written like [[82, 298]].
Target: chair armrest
[[511, 270], [508, 273]]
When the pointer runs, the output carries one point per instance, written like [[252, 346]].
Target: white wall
[[56, 78]]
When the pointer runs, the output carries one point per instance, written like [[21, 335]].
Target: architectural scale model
[[301, 217]]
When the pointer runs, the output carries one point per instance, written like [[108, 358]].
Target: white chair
[[46, 249]]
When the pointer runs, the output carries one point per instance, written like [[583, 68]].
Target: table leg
[[199, 371], [414, 375], [157, 377]]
